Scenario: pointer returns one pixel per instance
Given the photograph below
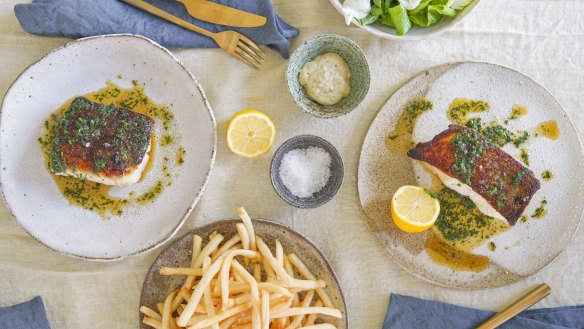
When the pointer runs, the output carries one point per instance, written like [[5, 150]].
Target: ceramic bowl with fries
[[242, 274]]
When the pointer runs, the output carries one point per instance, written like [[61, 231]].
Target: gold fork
[[234, 43]]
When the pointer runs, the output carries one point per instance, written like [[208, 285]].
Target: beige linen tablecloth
[[541, 38]]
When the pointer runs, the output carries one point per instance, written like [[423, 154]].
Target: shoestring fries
[[238, 283]]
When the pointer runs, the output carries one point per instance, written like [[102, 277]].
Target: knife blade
[[220, 14]]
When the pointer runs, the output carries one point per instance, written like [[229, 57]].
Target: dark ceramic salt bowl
[[328, 191]]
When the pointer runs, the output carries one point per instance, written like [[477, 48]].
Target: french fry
[[279, 253], [220, 317], [270, 274], [243, 235], [297, 320], [147, 311], [208, 249], [224, 274], [198, 292], [180, 271], [257, 272], [207, 294], [166, 310], [274, 288], [151, 322], [265, 310], [299, 265], [293, 311], [228, 244], [256, 317], [301, 285], [243, 326], [255, 296], [273, 262], [248, 226], [188, 284], [321, 326], [312, 317], [228, 323], [280, 305]]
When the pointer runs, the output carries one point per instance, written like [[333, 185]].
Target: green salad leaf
[[428, 12], [399, 18]]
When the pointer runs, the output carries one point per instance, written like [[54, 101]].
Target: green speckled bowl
[[351, 53]]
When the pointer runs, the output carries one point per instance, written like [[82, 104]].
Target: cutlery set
[[232, 42]]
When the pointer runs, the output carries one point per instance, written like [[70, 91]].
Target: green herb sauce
[[461, 108], [540, 211], [400, 139], [547, 175]]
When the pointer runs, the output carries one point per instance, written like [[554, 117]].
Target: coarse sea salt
[[305, 171]]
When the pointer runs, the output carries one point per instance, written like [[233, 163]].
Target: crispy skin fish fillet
[[101, 143], [500, 186]]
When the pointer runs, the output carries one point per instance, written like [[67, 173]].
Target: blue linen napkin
[[405, 312], [82, 18], [27, 315]]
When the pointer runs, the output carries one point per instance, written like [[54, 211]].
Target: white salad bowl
[[416, 32]]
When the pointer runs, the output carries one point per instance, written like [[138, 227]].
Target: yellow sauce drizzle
[[517, 111], [400, 139], [443, 253], [180, 156], [548, 129], [460, 108]]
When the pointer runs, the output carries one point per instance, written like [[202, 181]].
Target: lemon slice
[[250, 133], [413, 209]]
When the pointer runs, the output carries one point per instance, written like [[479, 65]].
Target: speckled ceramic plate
[[78, 68], [328, 191], [156, 287], [527, 247]]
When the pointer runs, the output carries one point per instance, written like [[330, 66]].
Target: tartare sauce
[[358, 9], [326, 79]]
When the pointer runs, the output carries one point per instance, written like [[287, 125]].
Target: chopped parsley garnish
[[468, 145]]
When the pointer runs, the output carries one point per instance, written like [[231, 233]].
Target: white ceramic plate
[[78, 68], [156, 287], [530, 245], [416, 32]]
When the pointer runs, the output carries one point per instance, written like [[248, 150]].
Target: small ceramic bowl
[[328, 191], [353, 56]]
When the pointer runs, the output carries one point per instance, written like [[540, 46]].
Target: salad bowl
[[416, 32]]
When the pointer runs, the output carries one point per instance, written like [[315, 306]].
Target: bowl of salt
[[307, 171]]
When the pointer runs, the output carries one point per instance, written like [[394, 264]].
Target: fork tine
[[239, 55], [249, 52], [251, 44]]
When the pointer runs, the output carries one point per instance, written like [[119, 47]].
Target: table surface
[[541, 38]]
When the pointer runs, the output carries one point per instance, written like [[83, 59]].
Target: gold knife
[[223, 15]]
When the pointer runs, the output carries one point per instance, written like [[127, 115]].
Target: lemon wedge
[[413, 209], [250, 133]]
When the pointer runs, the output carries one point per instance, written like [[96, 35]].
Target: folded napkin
[[28, 315], [406, 312], [82, 18]]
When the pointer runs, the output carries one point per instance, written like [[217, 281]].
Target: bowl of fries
[[242, 274]]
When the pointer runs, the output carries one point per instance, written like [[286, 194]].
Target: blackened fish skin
[[504, 182], [103, 139]]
